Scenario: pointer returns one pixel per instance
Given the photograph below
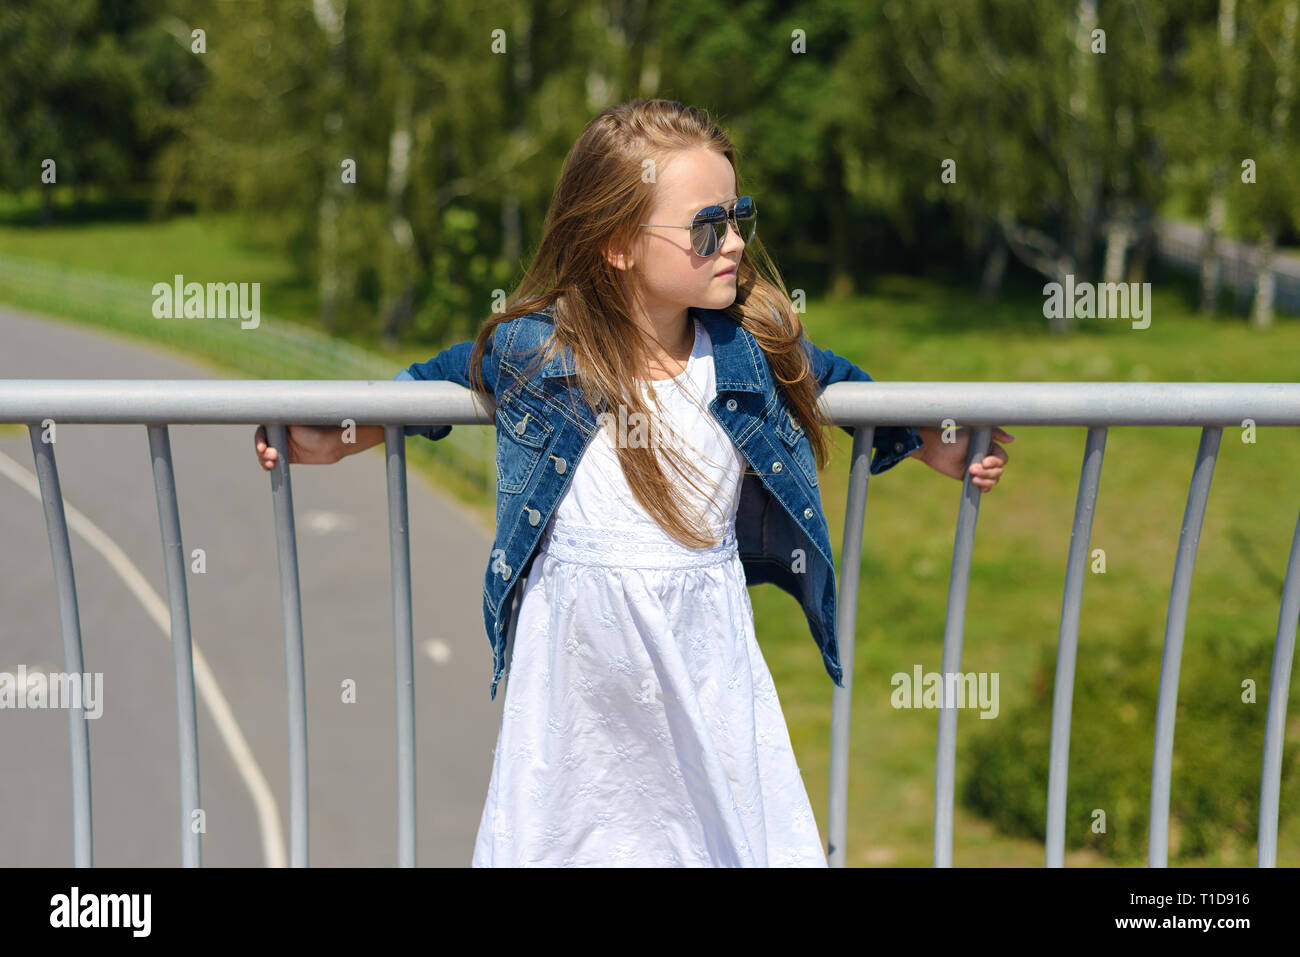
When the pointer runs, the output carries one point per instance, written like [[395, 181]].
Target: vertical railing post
[[56, 527], [294, 667], [945, 765], [845, 622], [187, 732], [1067, 646], [1279, 689], [1198, 494], [399, 550]]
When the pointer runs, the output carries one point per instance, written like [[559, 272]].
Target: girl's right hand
[[308, 445]]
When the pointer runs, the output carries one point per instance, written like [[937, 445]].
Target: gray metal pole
[[294, 667], [846, 612], [56, 527], [316, 402], [945, 765], [187, 731], [1279, 689], [399, 549], [1171, 659], [1085, 507]]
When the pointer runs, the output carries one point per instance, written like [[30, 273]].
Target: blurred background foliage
[[1073, 125]]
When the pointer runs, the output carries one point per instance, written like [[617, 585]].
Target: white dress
[[641, 726]]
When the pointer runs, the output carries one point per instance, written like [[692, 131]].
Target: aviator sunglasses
[[709, 227]]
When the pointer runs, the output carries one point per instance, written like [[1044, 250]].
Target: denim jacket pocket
[[522, 433], [791, 431]]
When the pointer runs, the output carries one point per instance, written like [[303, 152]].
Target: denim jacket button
[[731, 405], [776, 466], [807, 513], [560, 464], [505, 571], [534, 516]]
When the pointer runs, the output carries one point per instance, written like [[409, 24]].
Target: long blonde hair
[[600, 199]]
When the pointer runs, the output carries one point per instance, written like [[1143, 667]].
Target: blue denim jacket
[[544, 425]]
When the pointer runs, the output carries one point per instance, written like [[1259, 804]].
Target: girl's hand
[[950, 458], [308, 445]]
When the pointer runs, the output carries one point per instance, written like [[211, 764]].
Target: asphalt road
[[225, 509]]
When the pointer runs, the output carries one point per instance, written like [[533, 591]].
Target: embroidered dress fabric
[[641, 726]]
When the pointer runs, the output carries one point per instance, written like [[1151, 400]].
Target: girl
[[641, 725]]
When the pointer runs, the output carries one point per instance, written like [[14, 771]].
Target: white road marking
[[205, 683], [438, 650], [323, 522]]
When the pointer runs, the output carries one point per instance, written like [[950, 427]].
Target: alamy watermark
[[948, 690], [1107, 300], [635, 430], [214, 300], [128, 911], [57, 689]]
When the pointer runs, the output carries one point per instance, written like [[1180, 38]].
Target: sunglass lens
[[708, 230], [746, 217], [704, 239]]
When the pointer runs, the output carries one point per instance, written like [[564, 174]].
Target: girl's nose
[[732, 240]]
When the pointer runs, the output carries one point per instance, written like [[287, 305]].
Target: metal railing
[[981, 405], [1181, 245]]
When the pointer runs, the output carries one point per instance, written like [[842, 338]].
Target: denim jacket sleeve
[[449, 365], [892, 443]]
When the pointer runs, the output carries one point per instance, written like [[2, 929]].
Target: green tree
[[92, 87]]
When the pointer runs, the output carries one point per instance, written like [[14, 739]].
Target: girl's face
[[672, 276]]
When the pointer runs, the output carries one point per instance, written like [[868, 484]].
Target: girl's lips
[[729, 272]]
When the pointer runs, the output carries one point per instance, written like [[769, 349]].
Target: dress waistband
[[634, 546]]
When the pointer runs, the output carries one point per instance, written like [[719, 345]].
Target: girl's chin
[[722, 294]]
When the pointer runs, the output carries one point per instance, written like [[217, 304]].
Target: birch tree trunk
[[1118, 236], [1081, 167], [329, 17], [1211, 261], [511, 217], [1217, 208], [1265, 281], [995, 269], [1261, 315], [400, 291]]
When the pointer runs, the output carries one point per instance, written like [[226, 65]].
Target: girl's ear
[[622, 251], [617, 258]]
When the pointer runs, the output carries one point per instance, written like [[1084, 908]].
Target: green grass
[[904, 329], [211, 249]]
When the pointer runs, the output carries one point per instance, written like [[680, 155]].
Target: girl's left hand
[[950, 457]]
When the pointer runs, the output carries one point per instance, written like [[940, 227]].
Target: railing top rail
[[1065, 403], [327, 402]]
